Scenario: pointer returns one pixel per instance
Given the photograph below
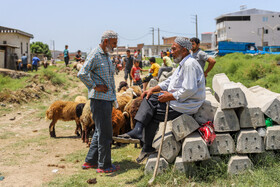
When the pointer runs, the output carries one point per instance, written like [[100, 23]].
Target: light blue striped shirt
[[187, 84], [98, 70]]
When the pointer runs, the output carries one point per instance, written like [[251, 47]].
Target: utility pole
[[158, 42], [262, 35], [153, 33], [196, 31], [53, 50]]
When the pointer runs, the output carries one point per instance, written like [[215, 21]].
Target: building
[[13, 44], [261, 27], [208, 40]]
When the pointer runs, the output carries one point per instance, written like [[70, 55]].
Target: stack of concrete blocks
[[235, 112], [153, 82]]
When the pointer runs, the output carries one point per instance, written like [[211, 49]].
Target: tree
[[40, 48]]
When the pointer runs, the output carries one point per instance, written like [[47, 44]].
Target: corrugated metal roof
[[11, 30], [248, 12]]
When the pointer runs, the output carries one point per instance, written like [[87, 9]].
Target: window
[[265, 19], [278, 28], [228, 27], [234, 18], [27, 48], [265, 31]]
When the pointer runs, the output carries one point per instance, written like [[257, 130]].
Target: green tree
[[40, 48]]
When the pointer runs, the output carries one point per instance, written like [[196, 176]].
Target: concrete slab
[[194, 148], [268, 101], [223, 144], [252, 115], [184, 167], [229, 93], [226, 121], [207, 110], [238, 164], [170, 147], [151, 163], [183, 125], [249, 141], [272, 138]]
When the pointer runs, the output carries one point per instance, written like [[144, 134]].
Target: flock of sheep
[[128, 100]]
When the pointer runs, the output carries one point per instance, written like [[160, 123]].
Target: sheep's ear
[[126, 114]]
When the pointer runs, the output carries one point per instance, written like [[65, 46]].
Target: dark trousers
[[66, 60], [100, 147], [34, 67], [138, 83], [151, 112], [24, 67]]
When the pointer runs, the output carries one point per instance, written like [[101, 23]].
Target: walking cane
[[160, 147]]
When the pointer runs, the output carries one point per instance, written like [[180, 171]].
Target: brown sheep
[[118, 120], [131, 108], [65, 111]]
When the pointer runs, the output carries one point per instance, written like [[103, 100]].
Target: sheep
[[118, 120], [131, 108], [87, 122], [65, 111], [80, 99]]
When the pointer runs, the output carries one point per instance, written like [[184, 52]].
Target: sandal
[[144, 155], [108, 170], [87, 165]]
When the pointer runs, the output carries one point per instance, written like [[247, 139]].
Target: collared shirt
[[187, 85], [98, 70], [168, 61]]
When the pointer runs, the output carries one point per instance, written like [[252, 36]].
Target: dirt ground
[[28, 156]]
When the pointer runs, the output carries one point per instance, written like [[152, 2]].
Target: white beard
[[109, 49], [178, 59]]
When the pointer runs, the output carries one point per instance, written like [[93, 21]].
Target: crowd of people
[[184, 91]]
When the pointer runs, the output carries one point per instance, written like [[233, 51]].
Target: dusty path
[[26, 149]]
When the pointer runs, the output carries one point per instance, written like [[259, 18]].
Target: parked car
[[212, 54]]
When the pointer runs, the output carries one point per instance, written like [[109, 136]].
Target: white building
[[13, 44], [253, 25]]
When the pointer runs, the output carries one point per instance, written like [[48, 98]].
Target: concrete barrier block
[[272, 138], [184, 167], [223, 144], [250, 117], [249, 141], [229, 93], [153, 83], [194, 148], [268, 101], [183, 125], [151, 163], [207, 110], [170, 147], [238, 164], [226, 121]]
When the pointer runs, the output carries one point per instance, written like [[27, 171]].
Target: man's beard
[[109, 49], [178, 59]]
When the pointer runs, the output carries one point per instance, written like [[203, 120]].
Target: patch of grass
[[12, 84], [39, 140], [55, 78], [249, 70]]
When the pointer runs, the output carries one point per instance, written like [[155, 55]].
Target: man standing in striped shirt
[[97, 74]]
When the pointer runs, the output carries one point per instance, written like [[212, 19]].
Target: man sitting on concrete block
[[184, 90]]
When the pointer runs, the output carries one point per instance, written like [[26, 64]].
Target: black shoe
[[143, 155]]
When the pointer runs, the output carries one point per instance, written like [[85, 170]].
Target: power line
[[134, 38], [175, 32]]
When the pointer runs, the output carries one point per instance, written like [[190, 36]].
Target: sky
[[80, 23]]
